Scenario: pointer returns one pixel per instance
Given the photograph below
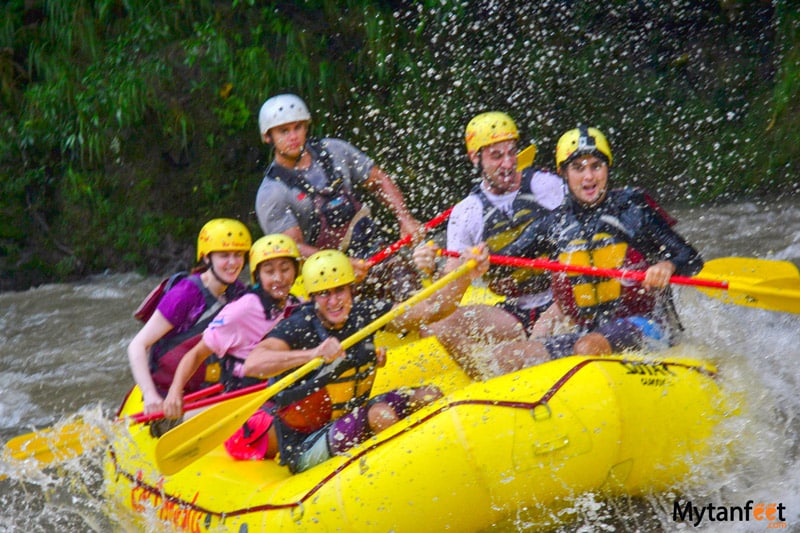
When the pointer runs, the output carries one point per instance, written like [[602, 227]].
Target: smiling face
[[333, 306], [587, 179], [227, 265], [277, 276], [499, 164]]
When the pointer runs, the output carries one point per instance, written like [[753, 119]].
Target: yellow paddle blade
[[762, 283], [59, 443], [183, 445], [186, 443], [479, 295], [526, 156]]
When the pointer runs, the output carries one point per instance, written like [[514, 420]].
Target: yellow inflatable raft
[[524, 442]]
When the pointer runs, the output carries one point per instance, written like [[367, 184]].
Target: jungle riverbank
[[127, 125]]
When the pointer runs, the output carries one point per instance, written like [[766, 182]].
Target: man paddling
[[330, 411], [310, 192], [619, 229], [497, 209]]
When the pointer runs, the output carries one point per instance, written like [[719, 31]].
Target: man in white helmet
[[309, 191]]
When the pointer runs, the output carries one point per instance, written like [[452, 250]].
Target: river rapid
[[62, 352]]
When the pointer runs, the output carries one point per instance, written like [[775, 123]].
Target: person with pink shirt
[[274, 265]]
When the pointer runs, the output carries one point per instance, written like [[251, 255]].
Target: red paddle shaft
[[189, 399], [389, 250], [189, 404], [555, 266]]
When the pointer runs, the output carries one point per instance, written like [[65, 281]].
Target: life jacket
[[233, 382], [150, 302], [167, 352], [333, 390], [592, 300], [335, 206], [501, 229]]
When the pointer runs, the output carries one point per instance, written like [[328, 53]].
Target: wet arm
[[273, 356], [444, 301], [664, 244], [387, 191], [191, 361], [139, 358]]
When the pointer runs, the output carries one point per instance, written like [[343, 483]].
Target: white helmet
[[282, 109]]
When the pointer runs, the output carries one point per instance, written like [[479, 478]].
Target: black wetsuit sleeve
[[659, 242], [534, 241]]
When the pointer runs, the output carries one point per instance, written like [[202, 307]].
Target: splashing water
[[72, 340]]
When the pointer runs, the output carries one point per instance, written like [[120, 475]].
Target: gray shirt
[[280, 207]]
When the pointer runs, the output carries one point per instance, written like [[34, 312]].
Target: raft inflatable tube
[[530, 441]]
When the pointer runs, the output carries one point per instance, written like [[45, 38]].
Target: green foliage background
[[128, 123]]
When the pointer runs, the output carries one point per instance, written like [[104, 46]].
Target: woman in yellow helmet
[[330, 411], [607, 228], [274, 266], [187, 308]]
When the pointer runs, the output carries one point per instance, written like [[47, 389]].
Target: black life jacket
[[333, 390], [603, 240]]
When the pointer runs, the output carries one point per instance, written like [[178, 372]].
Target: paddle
[[762, 283], [183, 445], [525, 157], [59, 443], [73, 438], [391, 249]]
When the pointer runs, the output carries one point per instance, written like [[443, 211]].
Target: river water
[[62, 352]]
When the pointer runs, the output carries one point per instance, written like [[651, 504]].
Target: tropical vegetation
[[128, 123]]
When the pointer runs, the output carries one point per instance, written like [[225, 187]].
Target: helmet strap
[[300, 156], [210, 268], [479, 165], [294, 160]]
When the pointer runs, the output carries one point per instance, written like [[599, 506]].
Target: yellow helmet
[[271, 247], [327, 269], [489, 128], [582, 140], [223, 235]]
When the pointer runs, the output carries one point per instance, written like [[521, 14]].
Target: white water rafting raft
[[527, 441]]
